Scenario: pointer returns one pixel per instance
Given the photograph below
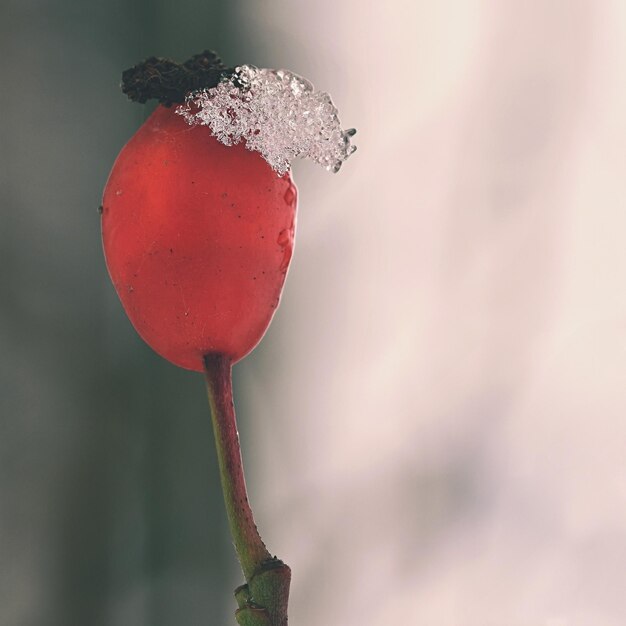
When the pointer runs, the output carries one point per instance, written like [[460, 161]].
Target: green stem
[[263, 600], [248, 543]]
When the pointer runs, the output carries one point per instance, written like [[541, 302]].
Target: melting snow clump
[[276, 113]]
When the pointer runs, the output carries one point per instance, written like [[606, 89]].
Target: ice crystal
[[276, 113]]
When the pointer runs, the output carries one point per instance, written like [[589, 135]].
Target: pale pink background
[[446, 376]]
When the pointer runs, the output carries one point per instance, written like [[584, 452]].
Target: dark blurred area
[[110, 508]]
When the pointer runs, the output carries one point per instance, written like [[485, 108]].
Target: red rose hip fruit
[[197, 238]]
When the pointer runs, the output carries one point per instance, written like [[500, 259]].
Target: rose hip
[[197, 238]]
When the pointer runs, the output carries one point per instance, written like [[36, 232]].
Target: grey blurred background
[[434, 426]]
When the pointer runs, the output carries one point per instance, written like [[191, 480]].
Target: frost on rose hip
[[199, 210], [277, 113]]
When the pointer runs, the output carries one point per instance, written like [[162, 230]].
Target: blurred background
[[434, 427]]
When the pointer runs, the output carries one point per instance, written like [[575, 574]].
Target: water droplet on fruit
[[290, 195], [118, 192], [284, 237], [285, 241]]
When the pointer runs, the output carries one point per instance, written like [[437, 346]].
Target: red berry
[[197, 238]]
